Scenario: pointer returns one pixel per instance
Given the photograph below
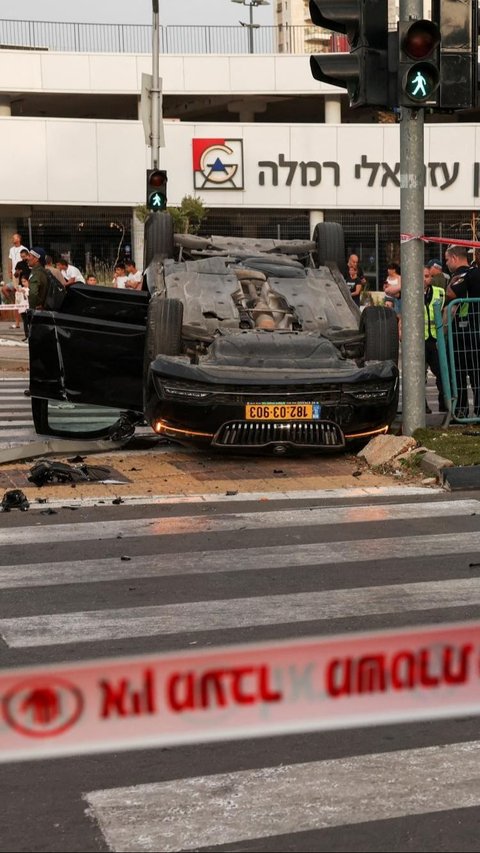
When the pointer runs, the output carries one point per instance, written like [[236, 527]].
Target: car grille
[[228, 394], [248, 434]]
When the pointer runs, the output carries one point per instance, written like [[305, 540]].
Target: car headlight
[[183, 393], [370, 395]]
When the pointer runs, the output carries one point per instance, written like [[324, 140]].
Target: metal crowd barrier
[[458, 344]]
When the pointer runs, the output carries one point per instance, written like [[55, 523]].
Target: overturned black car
[[235, 344]]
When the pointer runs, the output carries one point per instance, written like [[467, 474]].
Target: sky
[[194, 12]]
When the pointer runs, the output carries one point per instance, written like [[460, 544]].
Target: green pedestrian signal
[[156, 201], [420, 82], [419, 63], [156, 189]]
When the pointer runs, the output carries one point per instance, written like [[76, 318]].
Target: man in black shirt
[[22, 266], [465, 283]]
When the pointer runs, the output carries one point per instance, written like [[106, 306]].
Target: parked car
[[234, 344]]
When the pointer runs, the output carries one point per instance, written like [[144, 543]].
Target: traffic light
[[156, 189], [419, 63], [364, 72], [458, 25]]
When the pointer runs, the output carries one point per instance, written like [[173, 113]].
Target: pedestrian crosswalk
[[16, 425], [16, 422], [278, 801], [151, 579]]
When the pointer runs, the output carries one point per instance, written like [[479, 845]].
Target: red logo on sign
[[43, 707]]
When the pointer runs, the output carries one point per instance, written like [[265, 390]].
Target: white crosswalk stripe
[[344, 541], [174, 525], [16, 423], [291, 798], [51, 630]]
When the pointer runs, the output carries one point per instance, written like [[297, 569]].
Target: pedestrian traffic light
[[458, 25], [419, 63], [156, 189], [364, 71]]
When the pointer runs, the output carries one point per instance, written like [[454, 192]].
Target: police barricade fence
[[458, 344]]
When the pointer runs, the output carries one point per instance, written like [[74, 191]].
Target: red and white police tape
[[240, 691], [472, 244]]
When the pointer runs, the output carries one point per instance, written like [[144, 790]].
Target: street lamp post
[[251, 26]]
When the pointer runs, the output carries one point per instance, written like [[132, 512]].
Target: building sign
[[217, 164]]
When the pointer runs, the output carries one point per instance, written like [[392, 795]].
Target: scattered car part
[[14, 499]]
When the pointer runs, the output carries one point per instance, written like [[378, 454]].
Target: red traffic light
[[157, 178], [420, 39]]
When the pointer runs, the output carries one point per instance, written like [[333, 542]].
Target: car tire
[[380, 327], [158, 237], [164, 328], [330, 244]]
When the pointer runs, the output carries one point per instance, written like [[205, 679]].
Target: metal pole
[[155, 86], [250, 31], [412, 254]]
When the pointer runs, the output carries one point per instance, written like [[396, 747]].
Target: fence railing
[[137, 38], [459, 357]]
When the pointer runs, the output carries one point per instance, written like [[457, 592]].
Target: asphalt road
[[207, 574]]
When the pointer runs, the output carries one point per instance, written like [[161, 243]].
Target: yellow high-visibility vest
[[438, 295]]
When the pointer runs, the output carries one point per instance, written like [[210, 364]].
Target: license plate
[[282, 411]]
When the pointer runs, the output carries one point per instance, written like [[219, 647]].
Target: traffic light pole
[[155, 91], [412, 254]]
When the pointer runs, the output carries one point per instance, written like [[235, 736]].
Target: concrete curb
[[433, 464]]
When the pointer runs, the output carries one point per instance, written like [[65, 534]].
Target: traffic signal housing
[[458, 25], [156, 189], [419, 63], [364, 72]]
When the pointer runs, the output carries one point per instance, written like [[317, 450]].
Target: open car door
[[89, 353]]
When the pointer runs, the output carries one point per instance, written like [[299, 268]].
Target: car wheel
[[330, 244], [380, 327], [164, 329], [158, 236]]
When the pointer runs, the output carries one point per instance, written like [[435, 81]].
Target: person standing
[[38, 281], [119, 276], [21, 301], [22, 265], [14, 256], [355, 278], [439, 278], [465, 284], [134, 277], [393, 288], [432, 294]]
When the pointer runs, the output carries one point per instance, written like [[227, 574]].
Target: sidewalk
[[168, 469], [13, 352]]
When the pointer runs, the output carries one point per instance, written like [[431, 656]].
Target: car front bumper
[[206, 405]]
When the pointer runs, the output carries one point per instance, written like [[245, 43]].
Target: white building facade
[[267, 148]]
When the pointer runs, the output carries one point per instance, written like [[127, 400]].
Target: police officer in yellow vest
[[432, 294]]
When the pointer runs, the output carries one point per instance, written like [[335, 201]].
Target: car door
[[91, 350]]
